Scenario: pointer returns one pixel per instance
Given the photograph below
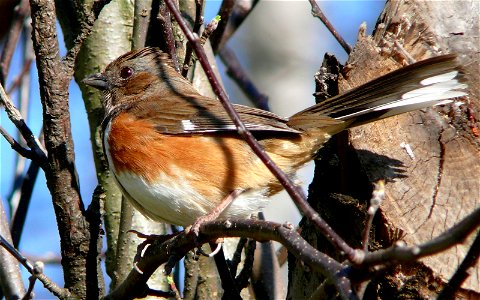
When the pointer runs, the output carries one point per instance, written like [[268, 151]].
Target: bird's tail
[[426, 83]]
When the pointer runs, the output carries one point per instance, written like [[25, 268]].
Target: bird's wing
[[197, 115]]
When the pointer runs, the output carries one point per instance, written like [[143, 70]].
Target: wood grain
[[440, 185]]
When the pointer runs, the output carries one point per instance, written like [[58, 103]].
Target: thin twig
[[242, 279], [21, 11], [23, 96], [449, 238], [25, 188], [31, 268], [209, 29], [190, 57], [141, 20], [17, 119], [27, 153], [228, 280], [164, 18], [48, 258], [237, 255], [159, 253], [10, 275], [196, 28], [236, 72], [296, 193], [317, 12], [199, 19], [31, 285], [86, 26], [18, 80], [224, 12], [377, 197], [240, 12], [462, 273]]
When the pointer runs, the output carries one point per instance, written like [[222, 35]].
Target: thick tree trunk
[[426, 193]]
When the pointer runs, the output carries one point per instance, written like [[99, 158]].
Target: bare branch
[[17, 119], [462, 273], [246, 273], [27, 153], [317, 12], [10, 275], [18, 80], [141, 21], [21, 11], [199, 19], [240, 12], [166, 22], [190, 57], [175, 248], [377, 197], [224, 13], [227, 278], [237, 255], [125, 224], [26, 189], [78, 230], [400, 253], [35, 271], [236, 72]]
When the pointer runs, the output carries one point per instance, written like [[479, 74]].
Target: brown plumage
[[176, 154]]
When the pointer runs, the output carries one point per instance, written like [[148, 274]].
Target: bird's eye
[[126, 72]]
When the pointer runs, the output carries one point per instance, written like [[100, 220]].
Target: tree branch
[[224, 13], [462, 273], [35, 271], [141, 20], [317, 12], [449, 238], [27, 153], [17, 119], [167, 30], [21, 12], [236, 72], [10, 276], [240, 12], [78, 244], [175, 248]]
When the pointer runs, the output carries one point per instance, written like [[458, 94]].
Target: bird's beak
[[98, 81]]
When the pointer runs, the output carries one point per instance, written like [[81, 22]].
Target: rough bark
[[425, 195], [78, 229], [110, 38], [440, 187]]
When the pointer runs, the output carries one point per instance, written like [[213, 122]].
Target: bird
[[176, 155]]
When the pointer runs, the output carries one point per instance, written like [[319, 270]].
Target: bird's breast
[[180, 178]]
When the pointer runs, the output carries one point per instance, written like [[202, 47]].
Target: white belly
[[174, 202]]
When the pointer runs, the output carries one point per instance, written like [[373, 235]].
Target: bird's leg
[[149, 239], [217, 211]]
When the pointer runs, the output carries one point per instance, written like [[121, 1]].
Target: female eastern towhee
[[176, 154]]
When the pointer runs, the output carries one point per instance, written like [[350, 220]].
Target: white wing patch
[[188, 125]]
